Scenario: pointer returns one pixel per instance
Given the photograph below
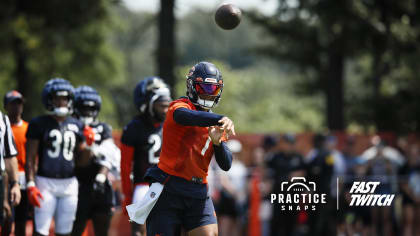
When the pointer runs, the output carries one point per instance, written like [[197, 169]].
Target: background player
[[141, 140], [95, 191], [13, 104], [191, 135], [58, 140]]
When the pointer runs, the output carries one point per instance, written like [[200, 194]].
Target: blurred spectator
[[410, 189], [382, 164], [13, 104], [403, 146], [320, 169], [339, 172], [233, 194], [350, 157], [284, 165], [214, 182], [269, 143], [265, 185], [261, 154], [357, 219], [339, 162]]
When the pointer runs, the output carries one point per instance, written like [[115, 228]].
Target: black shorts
[[91, 202], [173, 211]]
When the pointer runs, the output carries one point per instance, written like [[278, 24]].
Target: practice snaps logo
[[363, 194], [298, 195]]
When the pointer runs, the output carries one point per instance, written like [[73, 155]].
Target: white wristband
[[30, 184], [100, 178]]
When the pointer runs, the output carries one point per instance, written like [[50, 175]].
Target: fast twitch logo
[[363, 194], [298, 195]]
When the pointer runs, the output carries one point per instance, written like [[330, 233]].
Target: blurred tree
[[57, 39], [315, 36], [391, 74], [134, 37], [166, 54], [199, 38], [322, 38]]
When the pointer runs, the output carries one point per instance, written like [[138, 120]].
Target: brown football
[[228, 16]]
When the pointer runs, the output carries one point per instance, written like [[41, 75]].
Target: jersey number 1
[[206, 146]]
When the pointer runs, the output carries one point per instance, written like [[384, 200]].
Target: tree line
[[310, 66]]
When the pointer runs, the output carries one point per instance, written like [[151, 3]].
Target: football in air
[[228, 16]]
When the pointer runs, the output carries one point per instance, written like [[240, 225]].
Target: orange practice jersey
[[186, 150], [19, 133]]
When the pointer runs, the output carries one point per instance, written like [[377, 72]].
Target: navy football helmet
[[204, 85], [87, 104], [58, 87], [148, 91]]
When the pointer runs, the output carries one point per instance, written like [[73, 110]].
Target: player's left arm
[[107, 154], [84, 147], [221, 152], [84, 154]]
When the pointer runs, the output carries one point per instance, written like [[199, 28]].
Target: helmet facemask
[[57, 109], [204, 85], [87, 112], [87, 104], [205, 94], [148, 93]]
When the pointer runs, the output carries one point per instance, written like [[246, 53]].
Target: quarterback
[[191, 135]]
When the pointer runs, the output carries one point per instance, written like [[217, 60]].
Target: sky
[[183, 6]]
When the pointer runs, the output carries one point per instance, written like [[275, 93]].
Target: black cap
[[12, 96], [269, 142]]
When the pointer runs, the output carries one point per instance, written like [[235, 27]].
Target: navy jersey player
[[142, 139], [59, 141], [95, 192]]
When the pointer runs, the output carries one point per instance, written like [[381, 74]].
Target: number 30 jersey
[[57, 144], [146, 140]]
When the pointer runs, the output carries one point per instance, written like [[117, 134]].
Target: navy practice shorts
[[173, 211]]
